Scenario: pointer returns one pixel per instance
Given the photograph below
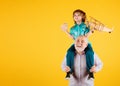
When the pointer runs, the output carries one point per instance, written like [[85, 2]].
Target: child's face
[[77, 17]]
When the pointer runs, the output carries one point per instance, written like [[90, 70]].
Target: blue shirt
[[78, 30]]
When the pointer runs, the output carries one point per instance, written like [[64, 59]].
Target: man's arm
[[98, 63], [64, 67]]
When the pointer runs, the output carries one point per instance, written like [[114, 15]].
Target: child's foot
[[91, 75], [67, 75]]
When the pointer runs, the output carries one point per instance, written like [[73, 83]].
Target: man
[[80, 74]]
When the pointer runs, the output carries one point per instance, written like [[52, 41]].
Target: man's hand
[[64, 27], [93, 69], [67, 69]]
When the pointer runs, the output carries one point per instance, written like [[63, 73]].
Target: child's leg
[[70, 60], [70, 57], [89, 58]]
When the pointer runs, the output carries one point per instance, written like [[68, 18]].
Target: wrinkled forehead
[[81, 39]]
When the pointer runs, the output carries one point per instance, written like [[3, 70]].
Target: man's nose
[[80, 44]]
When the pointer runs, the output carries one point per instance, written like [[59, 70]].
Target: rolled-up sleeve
[[63, 65], [71, 31], [98, 63], [87, 29]]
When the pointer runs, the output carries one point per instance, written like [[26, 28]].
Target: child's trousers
[[89, 57]]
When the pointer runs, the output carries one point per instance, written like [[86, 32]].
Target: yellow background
[[32, 45]]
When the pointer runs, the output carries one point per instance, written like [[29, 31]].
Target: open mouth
[[78, 46]]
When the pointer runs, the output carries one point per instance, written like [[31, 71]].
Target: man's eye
[[77, 40], [82, 41]]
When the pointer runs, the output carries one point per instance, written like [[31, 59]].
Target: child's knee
[[72, 49], [90, 53], [70, 53]]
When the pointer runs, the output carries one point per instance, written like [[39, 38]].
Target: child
[[78, 29]]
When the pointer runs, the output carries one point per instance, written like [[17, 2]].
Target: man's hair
[[83, 14]]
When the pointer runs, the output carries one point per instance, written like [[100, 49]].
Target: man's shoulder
[[95, 55]]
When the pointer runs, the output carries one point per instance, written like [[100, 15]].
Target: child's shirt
[[78, 30]]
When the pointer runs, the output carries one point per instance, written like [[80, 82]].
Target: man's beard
[[79, 49]]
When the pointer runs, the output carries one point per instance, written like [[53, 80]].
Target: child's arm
[[88, 31], [97, 25], [88, 34], [64, 27]]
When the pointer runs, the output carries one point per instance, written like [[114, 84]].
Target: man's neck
[[81, 52]]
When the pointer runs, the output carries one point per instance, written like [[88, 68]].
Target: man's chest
[[80, 61]]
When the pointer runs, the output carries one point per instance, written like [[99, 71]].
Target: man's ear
[[86, 44], [86, 39]]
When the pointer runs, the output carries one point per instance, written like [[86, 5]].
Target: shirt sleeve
[[71, 31], [98, 62], [63, 65], [87, 29]]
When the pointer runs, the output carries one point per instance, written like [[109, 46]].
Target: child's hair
[[82, 13]]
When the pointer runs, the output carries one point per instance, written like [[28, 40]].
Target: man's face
[[81, 43]]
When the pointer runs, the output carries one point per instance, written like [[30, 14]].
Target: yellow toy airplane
[[97, 25]]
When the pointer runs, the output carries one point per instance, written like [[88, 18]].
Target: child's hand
[[67, 69], [93, 69], [64, 27]]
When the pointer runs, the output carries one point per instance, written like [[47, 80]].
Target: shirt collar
[[81, 53], [82, 23]]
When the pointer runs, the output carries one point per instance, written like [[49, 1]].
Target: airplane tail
[[97, 25]]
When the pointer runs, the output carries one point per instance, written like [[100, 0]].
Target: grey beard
[[79, 49]]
